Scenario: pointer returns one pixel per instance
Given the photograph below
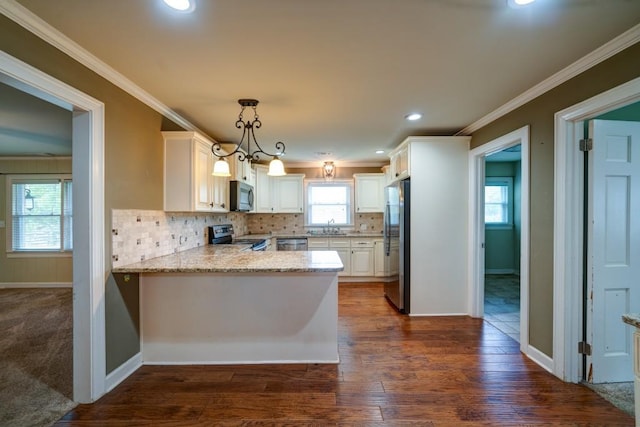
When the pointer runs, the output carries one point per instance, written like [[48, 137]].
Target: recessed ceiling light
[[181, 5], [413, 116], [519, 3], [379, 151]]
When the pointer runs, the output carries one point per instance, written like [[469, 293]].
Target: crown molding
[[34, 24], [618, 44]]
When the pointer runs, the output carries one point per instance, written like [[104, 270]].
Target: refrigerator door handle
[[387, 227]]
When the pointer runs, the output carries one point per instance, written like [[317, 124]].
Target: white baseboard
[[122, 372], [500, 271], [28, 285], [540, 358]]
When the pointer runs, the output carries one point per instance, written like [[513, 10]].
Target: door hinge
[[584, 348], [586, 144]]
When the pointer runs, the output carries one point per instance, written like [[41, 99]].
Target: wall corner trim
[[604, 52], [34, 24]]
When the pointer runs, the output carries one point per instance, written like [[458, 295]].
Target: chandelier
[[243, 148]]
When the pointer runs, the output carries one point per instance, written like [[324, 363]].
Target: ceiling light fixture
[[221, 167], [413, 116], [379, 151], [519, 3], [328, 171], [181, 5]]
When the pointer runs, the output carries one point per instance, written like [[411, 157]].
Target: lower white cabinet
[[380, 260], [343, 247], [362, 257]]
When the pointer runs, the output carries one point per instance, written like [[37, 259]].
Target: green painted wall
[[539, 115]]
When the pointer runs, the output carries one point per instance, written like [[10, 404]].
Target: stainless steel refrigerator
[[397, 230]]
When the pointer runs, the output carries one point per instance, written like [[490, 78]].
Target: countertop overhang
[[233, 259]]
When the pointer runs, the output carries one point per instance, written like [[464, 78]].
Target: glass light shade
[[221, 168], [276, 168]]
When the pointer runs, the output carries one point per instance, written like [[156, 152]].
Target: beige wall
[[30, 270], [133, 164], [539, 114], [341, 172]]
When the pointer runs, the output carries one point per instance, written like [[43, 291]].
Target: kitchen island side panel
[[218, 318]]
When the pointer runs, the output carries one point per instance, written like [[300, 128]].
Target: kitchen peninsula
[[218, 304]]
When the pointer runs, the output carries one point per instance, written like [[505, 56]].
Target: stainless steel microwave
[[240, 196]]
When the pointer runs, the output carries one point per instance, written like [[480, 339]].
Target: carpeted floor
[[620, 394], [36, 357]]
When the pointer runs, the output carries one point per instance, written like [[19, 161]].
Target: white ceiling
[[338, 76]]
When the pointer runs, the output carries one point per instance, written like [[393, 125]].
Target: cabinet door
[[379, 259], [400, 164], [220, 192], [369, 192], [362, 257], [288, 194], [262, 199], [203, 181], [318, 244], [345, 257]]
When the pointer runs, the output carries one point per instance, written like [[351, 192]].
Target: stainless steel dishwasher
[[291, 244]]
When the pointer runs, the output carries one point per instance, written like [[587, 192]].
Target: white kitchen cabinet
[[369, 189], [380, 260], [400, 162], [318, 244], [263, 190], [188, 183], [288, 193], [240, 169], [280, 194], [362, 257], [343, 247]]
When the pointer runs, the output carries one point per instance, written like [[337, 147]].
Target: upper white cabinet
[[288, 193], [188, 183], [369, 192], [262, 190], [400, 162], [281, 194], [240, 169]]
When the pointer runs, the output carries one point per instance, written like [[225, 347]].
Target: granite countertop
[[233, 259], [632, 319]]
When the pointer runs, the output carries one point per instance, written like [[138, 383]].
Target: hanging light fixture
[[328, 171], [221, 166], [29, 200]]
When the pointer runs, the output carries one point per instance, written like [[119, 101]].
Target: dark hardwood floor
[[394, 371]]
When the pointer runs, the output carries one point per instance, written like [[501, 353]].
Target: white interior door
[[614, 246]]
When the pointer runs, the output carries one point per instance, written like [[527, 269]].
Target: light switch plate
[[1, 223]]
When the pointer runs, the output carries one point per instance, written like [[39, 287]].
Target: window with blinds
[[329, 202], [498, 201], [41, 214]]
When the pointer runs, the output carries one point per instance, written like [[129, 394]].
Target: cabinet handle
[[397, 174], [211, 204], [222, 206]]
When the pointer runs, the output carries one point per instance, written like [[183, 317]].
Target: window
[[498, 201], [40, 213], [327, 201]]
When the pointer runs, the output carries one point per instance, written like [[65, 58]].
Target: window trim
[[508, 180], [351, 211], [30, 253]]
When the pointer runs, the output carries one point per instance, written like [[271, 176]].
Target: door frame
[[477, 227], [89, 274], [568, 223]]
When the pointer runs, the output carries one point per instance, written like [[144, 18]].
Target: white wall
[[439, 216]]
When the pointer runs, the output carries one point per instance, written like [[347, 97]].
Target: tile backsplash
[[141, 234], [294, 223]]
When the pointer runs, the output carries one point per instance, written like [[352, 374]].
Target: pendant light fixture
[[243, 148], [328, 171]]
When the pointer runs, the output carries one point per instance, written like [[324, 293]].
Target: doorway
[[569, 225], [88, 226], [477, 238], [502, 217]]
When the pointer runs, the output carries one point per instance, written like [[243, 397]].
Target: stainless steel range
[[223, 235]]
